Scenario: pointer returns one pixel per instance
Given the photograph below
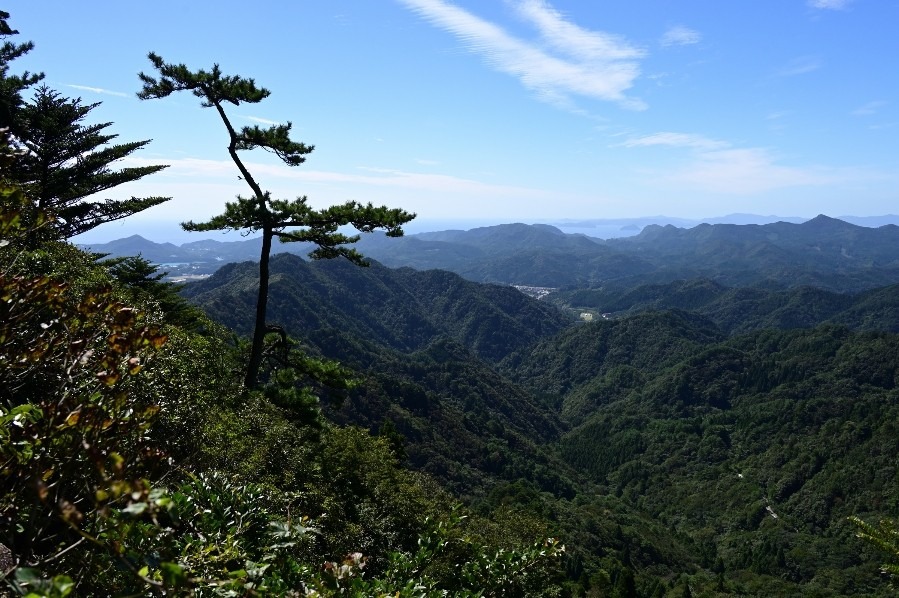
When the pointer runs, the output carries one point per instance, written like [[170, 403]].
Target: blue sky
[[506, 110]]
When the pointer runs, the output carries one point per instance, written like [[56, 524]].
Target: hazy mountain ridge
[[823, 252]]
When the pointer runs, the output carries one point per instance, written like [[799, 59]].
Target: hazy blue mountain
[[823, 252]]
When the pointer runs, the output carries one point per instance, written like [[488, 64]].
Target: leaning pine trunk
[[252, 379]]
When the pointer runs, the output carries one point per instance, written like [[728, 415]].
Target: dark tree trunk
[[252, 378]]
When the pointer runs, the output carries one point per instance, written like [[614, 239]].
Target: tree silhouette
[[288, 220], [64, 161]]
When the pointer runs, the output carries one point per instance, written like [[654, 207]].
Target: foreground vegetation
[[134, 460]]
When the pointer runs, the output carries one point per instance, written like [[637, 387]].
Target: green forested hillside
[[724, 460], [402, 309], [425, 341], [757, 448], [743, 309]]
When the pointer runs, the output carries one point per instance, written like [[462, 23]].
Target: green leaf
[[173, 575]]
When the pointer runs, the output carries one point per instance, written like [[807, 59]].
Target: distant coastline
[[602, 228]]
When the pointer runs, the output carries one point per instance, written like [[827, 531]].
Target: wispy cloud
[[196, 168], [800, 66], [748, 171], [680, 36], [573, 40], [675, 140], [99, 90], [829, 4], [869, 108], [262, 121], [567, 60], [716, 166]]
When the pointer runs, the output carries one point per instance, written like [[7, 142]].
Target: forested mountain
[[425, 341], [823, 252], [725, 451], [402, 309], [757, 447], [742, 309]]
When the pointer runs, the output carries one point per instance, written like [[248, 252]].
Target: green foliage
[[449, 561], [883, 536], [145, 284], [12, 86], [73, 439], [64, 161], [288, 220], [17, 214]]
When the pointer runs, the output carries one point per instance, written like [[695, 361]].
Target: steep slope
[[757, 447], [424, 342], [402, 309]]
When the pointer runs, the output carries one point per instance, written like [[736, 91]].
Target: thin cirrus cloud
[[829, 4], [99, 90], [680, 36], [800, 66], [869, 108], [747, 171], [262, 121], [566, 61], [670, 139]]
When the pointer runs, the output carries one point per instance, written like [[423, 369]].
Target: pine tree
[[62, 161], [288, 220], [12, 86], [65, 161]]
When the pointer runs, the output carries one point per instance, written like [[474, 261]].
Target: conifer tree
[[11, 86], [288, 220], [62, 161], [65, 161]]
